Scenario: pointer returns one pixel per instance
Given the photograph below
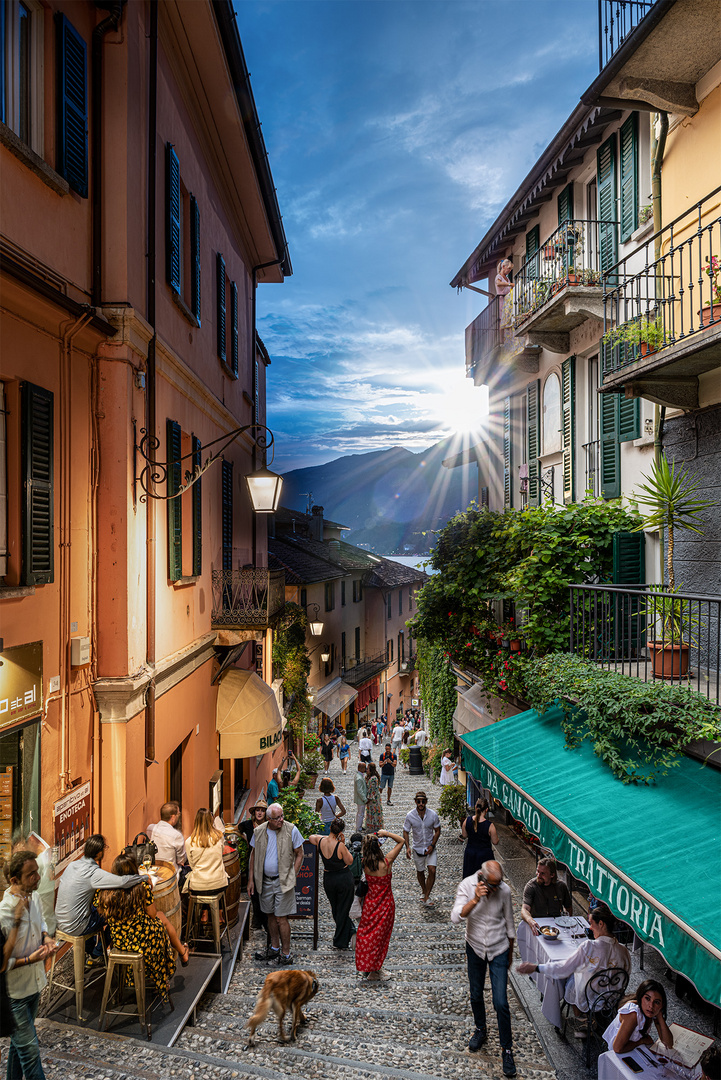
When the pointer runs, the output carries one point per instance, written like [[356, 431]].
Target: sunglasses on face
[[424, 801], [491, 885]]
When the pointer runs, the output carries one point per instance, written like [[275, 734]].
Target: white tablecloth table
[[613, 1067], [538, 950]]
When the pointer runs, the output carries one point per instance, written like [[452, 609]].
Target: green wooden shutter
[[484, 497], [568, 407], [533, 242], [629, 176], [507, 454], [533, 397], [629, 419], [38, 515], [175, 508], [606, 182], [72, 65], [629, 558], [220, 268], [227, 515], [234, 327], [610, 448], [173, 226], [197, 513], [195, 257], [565, 205]]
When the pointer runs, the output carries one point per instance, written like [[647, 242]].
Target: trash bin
[[415, 762]]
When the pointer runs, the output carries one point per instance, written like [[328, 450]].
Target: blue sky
[[396, 129]]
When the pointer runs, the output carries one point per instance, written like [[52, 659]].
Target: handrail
[[607, 21], [594, 587], [569, 256]]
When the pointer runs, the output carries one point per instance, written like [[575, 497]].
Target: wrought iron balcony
[[662, 305], [559, 286], [358, 671], [616, 20], [246, 599], [408, 664], [642, 631], [490, 346], [483, 335]]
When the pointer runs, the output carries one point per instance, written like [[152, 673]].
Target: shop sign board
[[306, 889], [21, 683], [72, 825]]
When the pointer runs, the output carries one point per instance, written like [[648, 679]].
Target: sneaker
[[477, 1040], [267, 954], [285, 960], [509, 1065]]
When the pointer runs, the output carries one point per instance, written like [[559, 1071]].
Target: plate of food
[[549, 932]]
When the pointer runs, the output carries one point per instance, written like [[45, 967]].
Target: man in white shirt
[[23, 925], [276, 857], [397, 736], [168, 839], [426, 828], [365, 746], [421, 737], [483, 900]]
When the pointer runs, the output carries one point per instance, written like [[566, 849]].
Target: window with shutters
[[72, 104], [182, 240], [37, 471], [533, 242], [552, 441], [185, 511], [22, 71], [565, 205], [620, 422], [484, 496], [329, 595], [606, 187], [330, 663], [628, 140], [507, 455], [568, 427], [401, 647], [342, 650], [400, 601], [342, 594], [389, 606], [227, 313], [357, 644], [389, 650], [304, 598], [533, 446], [357, 591]]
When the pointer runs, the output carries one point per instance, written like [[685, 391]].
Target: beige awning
[[334, 699], [470, 712], [247, 716]]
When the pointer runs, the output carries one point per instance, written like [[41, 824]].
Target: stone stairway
[[416, 1026]]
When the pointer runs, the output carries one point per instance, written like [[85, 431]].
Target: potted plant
[[711, 312], [452, 805], [671, 495], [645, 214], [313, 763]]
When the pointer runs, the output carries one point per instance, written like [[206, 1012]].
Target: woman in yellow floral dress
[[137, 926]]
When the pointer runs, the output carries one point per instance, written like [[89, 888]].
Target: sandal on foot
[[187, 959]]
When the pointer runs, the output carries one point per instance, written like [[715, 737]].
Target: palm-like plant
[[672, 496]]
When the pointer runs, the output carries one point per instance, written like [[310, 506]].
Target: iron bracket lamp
[[324, 652], [264, 486], [315, 625]]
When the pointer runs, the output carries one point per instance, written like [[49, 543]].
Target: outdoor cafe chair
[[605, 989]]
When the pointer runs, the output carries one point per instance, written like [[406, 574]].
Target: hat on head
[[261, 804]]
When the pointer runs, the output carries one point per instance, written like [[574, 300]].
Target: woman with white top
[[328, 805], [634, 1019], [204, 848], [590, 956], [446, 769]]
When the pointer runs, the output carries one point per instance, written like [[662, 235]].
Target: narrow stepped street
[[416, 1026]]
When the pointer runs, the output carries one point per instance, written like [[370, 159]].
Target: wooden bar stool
[[123, 960], [196, 903], [77, 941]]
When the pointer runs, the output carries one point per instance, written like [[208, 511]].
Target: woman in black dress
[[480, 834], [326, 749], [338, 880]]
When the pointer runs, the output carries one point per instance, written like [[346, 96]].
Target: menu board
[[306, 888]]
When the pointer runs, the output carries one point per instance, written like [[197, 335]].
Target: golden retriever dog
[[284, 991]]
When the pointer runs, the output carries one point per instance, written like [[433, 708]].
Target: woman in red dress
[[379, 907]]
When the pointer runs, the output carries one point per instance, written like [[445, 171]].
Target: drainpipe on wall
[[150, 521], [96, 164], [658, 148]]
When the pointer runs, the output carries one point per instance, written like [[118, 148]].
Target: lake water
[[415, 561]]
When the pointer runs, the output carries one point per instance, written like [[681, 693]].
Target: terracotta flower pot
[[515, 645], [710, 314], [645, 349], [669, 661]]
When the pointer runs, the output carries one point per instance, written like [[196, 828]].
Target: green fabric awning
[[652, 854]]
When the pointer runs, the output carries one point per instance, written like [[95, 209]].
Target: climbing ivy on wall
[[290, 658], [438, 690]]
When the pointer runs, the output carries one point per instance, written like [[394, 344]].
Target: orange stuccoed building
[[139, 216]]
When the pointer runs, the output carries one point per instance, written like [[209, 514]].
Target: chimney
[[315, 525], [334, 546]]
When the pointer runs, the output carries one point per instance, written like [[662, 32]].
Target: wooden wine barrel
[[166, 895], [232, 893]]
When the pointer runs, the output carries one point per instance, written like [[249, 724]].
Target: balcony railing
[[246, 599], [616, 20], [652, 302], [568, 257], [484, 334], [642, 631], [358, 671], [407, 664]]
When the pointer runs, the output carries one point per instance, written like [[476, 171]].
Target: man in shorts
[[397, 736], [275, 858], [426, 828], [388, 762]]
